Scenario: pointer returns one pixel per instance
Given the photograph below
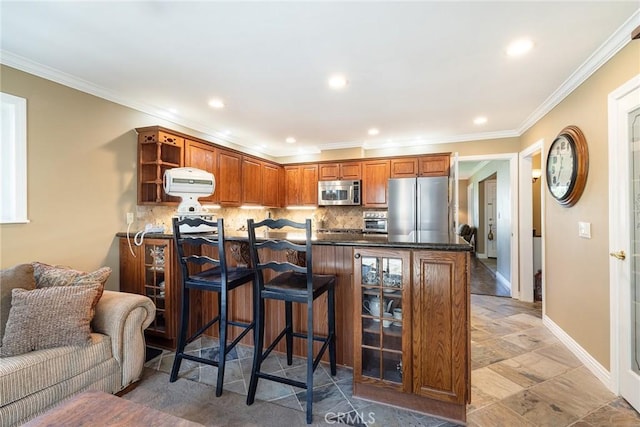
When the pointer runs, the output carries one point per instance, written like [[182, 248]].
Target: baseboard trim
[[592, 364], [481, 255]]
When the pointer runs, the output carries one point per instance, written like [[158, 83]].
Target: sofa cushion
[[20, 276], [55, 275], [23, 375], [49, 317]]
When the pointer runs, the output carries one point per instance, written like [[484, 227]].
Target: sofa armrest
[[124, 317]]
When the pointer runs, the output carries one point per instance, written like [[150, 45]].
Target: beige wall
[[463, 202], [577, 270]]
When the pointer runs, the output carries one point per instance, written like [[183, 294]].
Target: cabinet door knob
[[357, 256], [618, 255]]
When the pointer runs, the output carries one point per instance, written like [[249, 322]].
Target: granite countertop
[[414, 240]]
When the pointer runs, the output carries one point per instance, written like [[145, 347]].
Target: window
[[13, 159]]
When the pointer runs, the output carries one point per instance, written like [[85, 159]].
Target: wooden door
[[230, 178], [202, 156], [271, 188], [374, 183], [251, 181], [440, 325], [404, 167], [350, 170], [328, 171], [130, 266]]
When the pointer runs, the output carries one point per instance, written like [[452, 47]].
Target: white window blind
[[13, 159]]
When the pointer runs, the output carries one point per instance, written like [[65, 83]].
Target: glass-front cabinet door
[[156, 273], [382, 312]]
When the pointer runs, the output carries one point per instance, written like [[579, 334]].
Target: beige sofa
[[33, 382]]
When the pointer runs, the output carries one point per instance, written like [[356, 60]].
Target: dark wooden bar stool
[[206, 273], [293, 283]]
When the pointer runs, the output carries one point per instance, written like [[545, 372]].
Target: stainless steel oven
[[374, 221]]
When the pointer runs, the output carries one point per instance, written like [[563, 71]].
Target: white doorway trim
[[513, 183], [525, 220]]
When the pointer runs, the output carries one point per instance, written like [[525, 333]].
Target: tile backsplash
[[236, 218]]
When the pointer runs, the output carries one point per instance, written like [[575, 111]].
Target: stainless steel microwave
[[331, 193]]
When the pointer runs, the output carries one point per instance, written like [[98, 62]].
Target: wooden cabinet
[[252, 189], [339, 171], [301, 185], [430, 165], [421, 361], [153, 272], [435, 165], [375, 177], [157, 152], [404, 167], [271, 186], [203, 156], [229, 178]]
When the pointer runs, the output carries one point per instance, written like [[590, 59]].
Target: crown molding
[[606, 51]]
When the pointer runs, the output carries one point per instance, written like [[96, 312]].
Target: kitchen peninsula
[[412, 351]]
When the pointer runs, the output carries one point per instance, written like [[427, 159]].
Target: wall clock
[[567, 166]]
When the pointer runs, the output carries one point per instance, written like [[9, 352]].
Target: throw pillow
[[20, 276], [49, 275], [47, 318]]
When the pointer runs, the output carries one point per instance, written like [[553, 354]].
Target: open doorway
[[492, 178]]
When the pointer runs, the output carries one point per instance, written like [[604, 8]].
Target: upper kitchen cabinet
[[158, 151], [434, 165], [375, 179], [406, 167], [301, 185], [202, 156], [252, 189], [271, 186], [429, 165], [339, 171], [229, 179]]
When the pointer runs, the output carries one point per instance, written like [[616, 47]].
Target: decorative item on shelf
[[157, 254], [373, 307], [399, 368], [567, 166], [161, 286], [397, 314]]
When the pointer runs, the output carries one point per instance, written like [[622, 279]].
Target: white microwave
[[331, 193]]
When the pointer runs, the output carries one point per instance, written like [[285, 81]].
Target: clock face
[[561, 167]]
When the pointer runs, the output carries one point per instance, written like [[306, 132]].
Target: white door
[[490, 215], [624, 237]]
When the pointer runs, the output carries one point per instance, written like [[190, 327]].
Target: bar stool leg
[[222, 341], [182, 335], [257, 350], [288, 310], [309, 362]]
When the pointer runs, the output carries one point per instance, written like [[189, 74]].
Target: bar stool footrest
[[282, 380]]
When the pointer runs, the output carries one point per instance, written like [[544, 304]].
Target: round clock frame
[[575, 151]]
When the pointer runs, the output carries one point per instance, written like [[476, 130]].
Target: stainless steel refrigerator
[[418, 205]]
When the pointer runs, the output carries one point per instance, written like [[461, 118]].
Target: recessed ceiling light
[[173, 110], [519, 47], [480, 120], [290, 140], [216, 103], [373, 131], [338, 81], [227, 132]]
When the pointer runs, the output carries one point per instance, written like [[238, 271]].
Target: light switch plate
[[584, 229]]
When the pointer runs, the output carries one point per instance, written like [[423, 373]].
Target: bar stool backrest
[[280, 243], [189, 257]]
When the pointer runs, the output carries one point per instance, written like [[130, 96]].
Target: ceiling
[[420, 72]]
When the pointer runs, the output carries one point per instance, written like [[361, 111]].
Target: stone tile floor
[[521, 376]]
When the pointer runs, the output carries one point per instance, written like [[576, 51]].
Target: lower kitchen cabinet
[[420, 358], [151, 270]]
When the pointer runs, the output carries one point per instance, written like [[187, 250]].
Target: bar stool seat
[[293, 283], [207, 273]]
